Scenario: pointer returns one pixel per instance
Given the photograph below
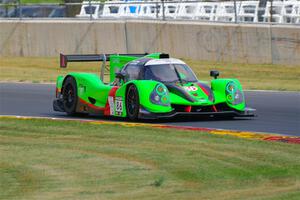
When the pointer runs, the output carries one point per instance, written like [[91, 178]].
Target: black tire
[[70, 95], [132, 102]]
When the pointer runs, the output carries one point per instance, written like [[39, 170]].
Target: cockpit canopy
[[162, 70]]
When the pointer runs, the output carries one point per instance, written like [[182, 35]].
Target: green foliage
[[158, 182]]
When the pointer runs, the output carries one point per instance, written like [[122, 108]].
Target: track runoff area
[[26, 101], [240, 134]]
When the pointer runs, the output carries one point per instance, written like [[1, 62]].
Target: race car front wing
[[248, 112]]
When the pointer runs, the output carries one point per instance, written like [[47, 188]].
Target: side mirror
[[214, 73], [120, 75]]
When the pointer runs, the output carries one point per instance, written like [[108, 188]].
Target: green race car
[[146, 86]]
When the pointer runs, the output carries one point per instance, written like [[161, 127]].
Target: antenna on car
[[103, 67]]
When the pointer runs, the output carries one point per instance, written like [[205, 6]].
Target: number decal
[[119, 105], [191, 88]]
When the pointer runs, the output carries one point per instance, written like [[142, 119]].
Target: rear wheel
[[132, 102], [70, 95]]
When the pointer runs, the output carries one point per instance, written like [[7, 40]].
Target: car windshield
[[169, 73]]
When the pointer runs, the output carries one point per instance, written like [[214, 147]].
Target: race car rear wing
[[64, 59], [117, 62]]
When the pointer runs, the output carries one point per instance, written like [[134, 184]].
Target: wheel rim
[[69, 96], [131, 101]]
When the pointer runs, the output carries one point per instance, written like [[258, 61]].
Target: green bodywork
[[90, 86]]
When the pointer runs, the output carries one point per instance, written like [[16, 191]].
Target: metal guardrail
[[263, 11]]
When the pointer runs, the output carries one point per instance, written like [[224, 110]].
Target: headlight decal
[[231, 87], [234, 95], [160, 95], [160, 90]]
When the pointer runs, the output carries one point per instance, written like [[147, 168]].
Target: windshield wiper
[[178, 75], [174, 81]]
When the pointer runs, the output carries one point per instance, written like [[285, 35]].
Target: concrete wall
[[195, 40]]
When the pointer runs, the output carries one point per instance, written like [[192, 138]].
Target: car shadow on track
[[153, 121], [193, 119]]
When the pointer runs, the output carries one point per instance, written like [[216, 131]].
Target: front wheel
[[70, 95], [132, 102]]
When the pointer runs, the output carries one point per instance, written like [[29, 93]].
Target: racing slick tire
[[132, 102], [70, 95]]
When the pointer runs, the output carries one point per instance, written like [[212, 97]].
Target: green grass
[[39, 69], [252, 76], [43, 159]]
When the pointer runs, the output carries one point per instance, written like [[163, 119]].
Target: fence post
[[90, 9], [235, 12], [20, 9], [156, 6], [271, 12], [163, 9]]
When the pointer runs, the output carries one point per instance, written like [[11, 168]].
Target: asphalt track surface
[[278, 112]]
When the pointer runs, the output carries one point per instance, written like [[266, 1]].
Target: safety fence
[[260, 11]]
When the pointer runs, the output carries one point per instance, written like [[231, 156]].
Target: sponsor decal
[[202, 100], [119, 106], [190, 88], [111, 105], [81, 89]]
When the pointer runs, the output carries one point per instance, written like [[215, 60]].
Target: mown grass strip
[[46, 159]]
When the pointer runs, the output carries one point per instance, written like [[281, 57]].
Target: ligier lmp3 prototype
[[146, 86]]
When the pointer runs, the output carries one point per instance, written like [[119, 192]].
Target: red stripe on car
[[188, 108], [112, 93], [90, 105], [204, 89], [215, 109]]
